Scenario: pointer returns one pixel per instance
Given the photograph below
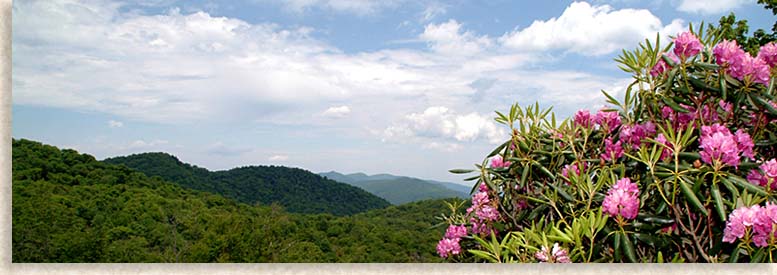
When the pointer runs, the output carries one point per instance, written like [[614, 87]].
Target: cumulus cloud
[[337, 112], [711, 6], [448, 38], [115, 124], [440, 123], [278, 158], [589, 30]]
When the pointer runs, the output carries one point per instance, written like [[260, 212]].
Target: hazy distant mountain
[[399, 189], [297, 190]]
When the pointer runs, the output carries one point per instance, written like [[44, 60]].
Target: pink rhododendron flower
[[607, 120], [583, 119], [727, 53], [487, 213], [634, 134], [556, 255], [768, 53], [574, 169], [766, 173], [497, 162], [735, 228], [744, 143], [765, 225], [661, 65], [455, 231], [448, 247], [719, 146], [752, 69], [679, 120], [622, 200], [612, 151], [686, 45]]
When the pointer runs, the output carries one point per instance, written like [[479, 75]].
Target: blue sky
[[394, 86]]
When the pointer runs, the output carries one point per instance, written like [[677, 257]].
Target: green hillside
[[297, 190], [399, 190], [69, 207]]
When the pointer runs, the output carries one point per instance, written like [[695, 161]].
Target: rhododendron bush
[[682, 169]]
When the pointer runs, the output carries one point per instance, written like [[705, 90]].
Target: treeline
[[69, 207], [297, 190]]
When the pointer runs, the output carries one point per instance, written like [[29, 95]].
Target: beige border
[[6, 267]]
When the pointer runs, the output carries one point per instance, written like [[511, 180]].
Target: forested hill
[[398, 189], [69, 207], [295, 189]]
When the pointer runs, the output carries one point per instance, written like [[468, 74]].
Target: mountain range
[[297, 190], [400, 189]]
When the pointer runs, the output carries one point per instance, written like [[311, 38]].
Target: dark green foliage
[[68, 207], [297, 190]]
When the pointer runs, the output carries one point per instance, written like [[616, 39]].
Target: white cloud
[[337, 112], [278, 158], [115, 124], [221, 149], [433, 10], [588, 30], [144, 145], [447, 38], [711, 6], [440, 126]]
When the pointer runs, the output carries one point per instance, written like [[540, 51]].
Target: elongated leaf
[[691, 197], [672, 104], [628, 248], [717, 198], [461, 171], [748, 186]]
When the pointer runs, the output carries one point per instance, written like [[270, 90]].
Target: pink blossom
[[661, 65], [622, 200], [607, 120], [612, 151], [770, 168], [480, 198], [752, 69], [497, 162], [448, 247], [455, 231], [583, 119], [487, 213], [634, 134], [735, 228], [556, 255], [764, 227], [679, 120], [480, 227], [686, 45], [768, 53], [744, 143], [574, 168], [766, 173], [727, 53], [719, 146]]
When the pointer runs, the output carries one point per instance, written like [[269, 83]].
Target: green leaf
[[717, 198], [748, 186], [672, 104], [691, 197], [461, 171], [628, 248]]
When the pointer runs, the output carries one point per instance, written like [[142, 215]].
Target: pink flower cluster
[[447, 247], [679, 120], [574, 169], [607, 121], [766, 176], [760, 221], [583, 119], [622, 200], [498, 162], [556, 255], [687, 45], [720, 147], [661, 66], [634, 134], [484, 211], [612, 151], [741, 65]]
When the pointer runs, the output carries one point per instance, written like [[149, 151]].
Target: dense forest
[[297, 190], [399, 190], [69, 207]]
